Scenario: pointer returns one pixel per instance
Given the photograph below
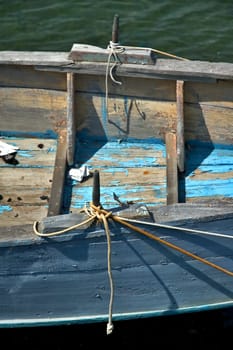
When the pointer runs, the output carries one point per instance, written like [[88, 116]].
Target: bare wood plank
[[40, 145], [190, 68], [180, 124], [40, 110], [23, 215], [204, 121], [34, 57], [209, 123], [25, 179], [56, 194], [140, 118], [219, 94], [80, 52], [71, 125], [172, 173], [24, 195], [163, 90], [163, 69], [28, 77]]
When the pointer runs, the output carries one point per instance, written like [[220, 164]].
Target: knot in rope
[[114, 49], [98, 212]]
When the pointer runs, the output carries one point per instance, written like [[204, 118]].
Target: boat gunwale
[[173, 69]]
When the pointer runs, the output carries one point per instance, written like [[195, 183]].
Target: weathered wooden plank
[[25, 187], [180, 125], [34, 57], [34, 167], [28, 77], [21, 215], [82, 53], [140, 119], [24, 196], [149, 195], [117, 155], [40, 110], [146, 175], [56, 195], [218, 94], [25, 178], [172, 172], [163, 69], [71, 123], [147, 186], [34, 159], [148, 118], [171, 67], [208, 123], [133, 170], [185, 213], [163, 90], [125, 114], [40, 145]]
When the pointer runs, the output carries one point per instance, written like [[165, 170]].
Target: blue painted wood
[[64, 279]]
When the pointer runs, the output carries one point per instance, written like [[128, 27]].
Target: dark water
[[192, 29]]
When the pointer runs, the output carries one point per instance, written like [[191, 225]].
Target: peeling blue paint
[[25, 154], [82, 195], [119, 154], [4, 208], [47, 134], [209, 188]]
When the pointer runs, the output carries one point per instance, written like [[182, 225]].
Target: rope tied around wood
[[94, 213], [100, 214]]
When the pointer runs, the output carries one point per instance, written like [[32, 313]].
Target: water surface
[[192, 29]]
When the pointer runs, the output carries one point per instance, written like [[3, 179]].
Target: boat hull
[[63, 280]]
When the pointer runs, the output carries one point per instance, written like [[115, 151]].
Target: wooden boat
[[116, 186]]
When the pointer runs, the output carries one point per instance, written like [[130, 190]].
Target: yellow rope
[[55, 233], [170, 245], [103, 215], [104, 218], [93, 213], [157, 51]]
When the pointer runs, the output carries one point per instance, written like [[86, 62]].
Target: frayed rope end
[[109, 328]]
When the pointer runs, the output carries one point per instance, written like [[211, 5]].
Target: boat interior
[[156, 142]]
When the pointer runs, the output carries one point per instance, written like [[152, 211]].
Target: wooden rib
[[180, 124], [56, 193], [172, 171], [71, 127]]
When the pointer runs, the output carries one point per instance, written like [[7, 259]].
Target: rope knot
[[100, 213]]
